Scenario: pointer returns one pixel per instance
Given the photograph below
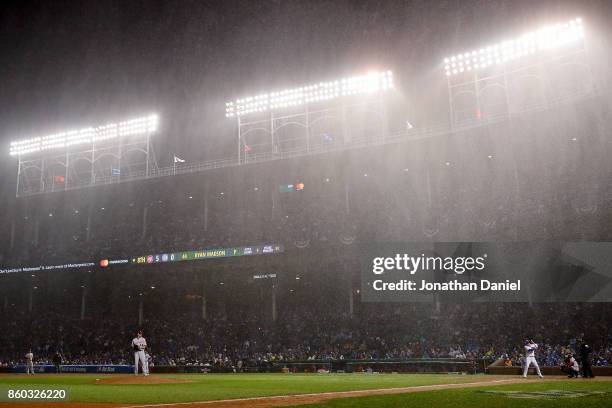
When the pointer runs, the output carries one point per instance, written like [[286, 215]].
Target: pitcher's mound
[[132, 379]]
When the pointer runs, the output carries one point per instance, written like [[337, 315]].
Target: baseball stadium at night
[[322, 203]]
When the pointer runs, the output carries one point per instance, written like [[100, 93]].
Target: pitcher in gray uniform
[[29, 362]]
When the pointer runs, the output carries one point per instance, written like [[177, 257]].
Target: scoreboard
[[201, 254], [192, 255]]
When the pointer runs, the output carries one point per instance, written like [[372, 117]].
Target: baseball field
[[320, 390]]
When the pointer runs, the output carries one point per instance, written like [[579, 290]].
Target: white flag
[[178, 159]]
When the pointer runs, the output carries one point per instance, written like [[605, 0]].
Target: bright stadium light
[[546, 38], [137, 126], [323, 91]]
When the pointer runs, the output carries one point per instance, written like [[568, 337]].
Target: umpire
[[585, 359], [57, 362]]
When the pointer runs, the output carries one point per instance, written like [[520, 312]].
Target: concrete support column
[[36, 230], [83, 302], [204, 316], [144, 221], [347, 205], [12, 242], [30, 298], [88, 230], [351, 301], [140, 310], [205, 213], [274, 303]]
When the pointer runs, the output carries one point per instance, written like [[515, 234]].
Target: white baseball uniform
[[139, 344], [530, 349], [149, 359], [29, 363], [573, 365]]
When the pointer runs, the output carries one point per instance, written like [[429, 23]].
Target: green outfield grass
[[204, 387], [222, 386], [533, 395]]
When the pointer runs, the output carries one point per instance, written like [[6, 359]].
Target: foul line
[[333, 393]]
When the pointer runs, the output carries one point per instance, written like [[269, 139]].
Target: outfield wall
[[312, 366], [79, 369], [308, 366], [421, 365]]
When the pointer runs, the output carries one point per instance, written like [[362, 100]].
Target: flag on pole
[[178, 159], [59, 179]]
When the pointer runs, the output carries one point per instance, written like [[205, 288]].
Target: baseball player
[[57, 362], [570, 367], [585, 358], [149, 359], [530, 348], [139, 344], [29, 362]]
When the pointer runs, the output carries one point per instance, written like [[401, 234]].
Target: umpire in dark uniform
[[57, 362], [585, 359]]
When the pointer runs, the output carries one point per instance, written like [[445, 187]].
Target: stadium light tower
[[89, 135], [86, 156], [545, 39], [529, 71], [323, 91], [302, 106]]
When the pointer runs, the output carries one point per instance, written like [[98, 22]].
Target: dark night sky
[[68, 64]]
